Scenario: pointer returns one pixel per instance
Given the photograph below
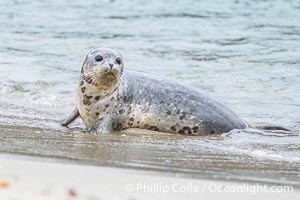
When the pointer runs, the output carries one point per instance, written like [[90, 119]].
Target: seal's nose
[[111, 65]]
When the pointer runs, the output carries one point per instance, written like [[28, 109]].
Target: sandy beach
[[244, 54], [35, 180]]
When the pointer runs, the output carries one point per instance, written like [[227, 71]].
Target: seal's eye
[[98, 58], [118, 60]]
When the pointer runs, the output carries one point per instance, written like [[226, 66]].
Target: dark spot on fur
[[97, 113], [138, 122], [89, 81], [190, 132], [154, 128], [81, 83], [121, 111], [131, 119], [169, 113], [97, 98], [212, 131], [195, 129], [178, 111], [186, 128], [181, 131], [88, 97], [173, 128], [105, 107], [130, 123], [86, 102], [82, 70], [162, 102], [182, 116], [146, 126], [83, 89], [112, 98], [129, 109]]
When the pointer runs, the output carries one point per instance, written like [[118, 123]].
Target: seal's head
[[102, 67]]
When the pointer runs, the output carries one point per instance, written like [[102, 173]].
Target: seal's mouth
[[109, 73], [110, 76], [113, 74]]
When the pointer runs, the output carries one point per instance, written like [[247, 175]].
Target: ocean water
[[243, 53]]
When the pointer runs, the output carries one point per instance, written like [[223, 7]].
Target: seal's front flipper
[[106, 125], [70, 118]]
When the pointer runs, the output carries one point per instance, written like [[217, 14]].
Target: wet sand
[[223, 157]]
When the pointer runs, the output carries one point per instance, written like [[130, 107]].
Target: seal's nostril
[[111, 65]]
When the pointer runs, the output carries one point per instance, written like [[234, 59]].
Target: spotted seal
[[112, 99]]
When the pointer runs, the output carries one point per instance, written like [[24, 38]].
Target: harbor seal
[[113, 99]]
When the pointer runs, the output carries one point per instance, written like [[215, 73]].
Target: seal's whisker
[[98, 78], [90, 77], [95, 78], [119, 76]]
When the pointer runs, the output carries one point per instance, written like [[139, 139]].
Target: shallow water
[[244, 53]]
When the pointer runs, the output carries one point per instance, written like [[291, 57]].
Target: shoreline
[[73, 181]]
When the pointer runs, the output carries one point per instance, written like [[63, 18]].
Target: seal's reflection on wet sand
[[244, 157]]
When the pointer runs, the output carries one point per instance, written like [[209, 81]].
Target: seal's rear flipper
[[268, 127], [273, 130], [70, 118]]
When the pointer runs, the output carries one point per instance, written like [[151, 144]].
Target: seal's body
[[161, 104], [110, 100]]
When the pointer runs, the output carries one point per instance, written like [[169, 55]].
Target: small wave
[[235, 41], [12, 87], [274, 145], [170, 15], [81, 34], [18, 50]]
